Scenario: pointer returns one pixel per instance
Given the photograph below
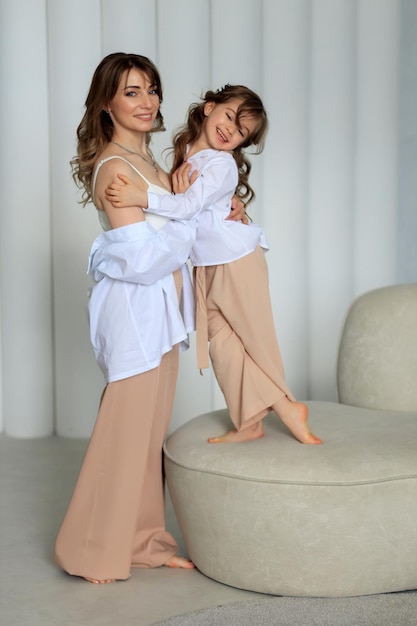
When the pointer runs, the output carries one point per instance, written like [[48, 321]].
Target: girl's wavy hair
[[250, 106], [96, 127]]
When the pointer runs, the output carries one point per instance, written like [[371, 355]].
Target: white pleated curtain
[[334, 186]]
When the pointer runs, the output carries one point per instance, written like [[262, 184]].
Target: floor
[[36, 480]]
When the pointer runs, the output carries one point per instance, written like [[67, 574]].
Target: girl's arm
[[123, 192], [216, 182], [127, 194]]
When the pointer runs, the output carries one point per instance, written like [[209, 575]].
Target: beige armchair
[[339, 519]]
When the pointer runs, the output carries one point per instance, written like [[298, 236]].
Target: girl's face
[[222, 130], [136, 103]]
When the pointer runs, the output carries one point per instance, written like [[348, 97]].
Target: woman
[[140, 310]]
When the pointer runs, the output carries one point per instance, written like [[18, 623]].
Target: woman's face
[[136, 103]]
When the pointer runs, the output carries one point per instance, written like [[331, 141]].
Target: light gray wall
[[336, 184], [407, 184]]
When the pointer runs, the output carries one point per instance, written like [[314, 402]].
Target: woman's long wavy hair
[[250, 106], [96, 127]]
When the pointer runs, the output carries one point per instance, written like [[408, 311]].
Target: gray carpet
[[393, 609]]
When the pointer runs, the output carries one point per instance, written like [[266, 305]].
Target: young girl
[[231, 281]]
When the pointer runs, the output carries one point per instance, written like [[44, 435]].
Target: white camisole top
[[156, 221]]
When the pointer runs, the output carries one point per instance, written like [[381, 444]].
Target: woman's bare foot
[[179, 562], [236, 436], [295, 415], [95, 581]]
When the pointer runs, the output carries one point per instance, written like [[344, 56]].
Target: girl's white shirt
[[134, 314], [218, 240]]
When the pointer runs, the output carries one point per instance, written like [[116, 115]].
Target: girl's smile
[[223, 128]]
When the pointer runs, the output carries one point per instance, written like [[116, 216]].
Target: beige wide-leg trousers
[[233, 304], [116, 516]]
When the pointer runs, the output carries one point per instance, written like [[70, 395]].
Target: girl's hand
[[125, 193], [237, 211], [181, 179]]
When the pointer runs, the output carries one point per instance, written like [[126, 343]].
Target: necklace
[[151, 162]]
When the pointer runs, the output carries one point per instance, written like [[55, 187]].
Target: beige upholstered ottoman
[[338, 519], [275, 516]]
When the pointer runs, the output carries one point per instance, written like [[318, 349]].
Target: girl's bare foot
[[236, 436], [294, 415], [179, 562], [95, 581]]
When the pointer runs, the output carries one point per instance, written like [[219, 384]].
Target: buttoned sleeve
[[216, 182]]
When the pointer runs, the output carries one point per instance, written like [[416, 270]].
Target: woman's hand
[[181, 179], [237, 211], [124, 193]]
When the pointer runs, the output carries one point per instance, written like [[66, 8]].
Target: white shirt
[[134, 314], [218, 241]]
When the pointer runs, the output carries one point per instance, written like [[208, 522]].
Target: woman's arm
[[128, 214], [238, 211], [139, 254]]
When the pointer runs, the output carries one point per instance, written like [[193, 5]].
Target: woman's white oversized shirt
[[133, 306]]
